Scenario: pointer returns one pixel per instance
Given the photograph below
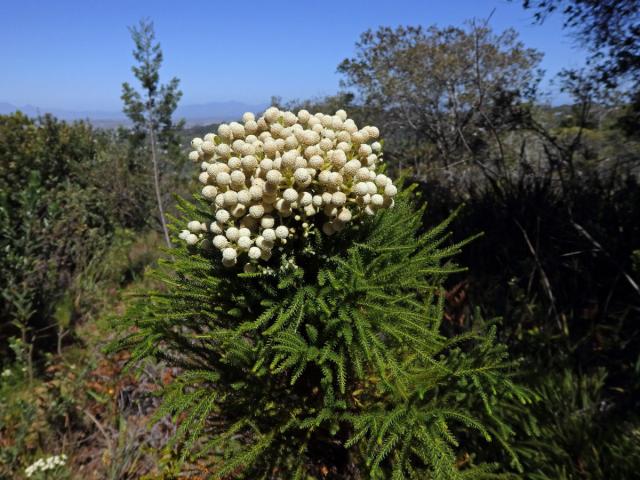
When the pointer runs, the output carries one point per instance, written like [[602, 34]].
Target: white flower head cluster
[[273, 178], [44, 464]]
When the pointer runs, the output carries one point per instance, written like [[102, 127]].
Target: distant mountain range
[[199, 114]]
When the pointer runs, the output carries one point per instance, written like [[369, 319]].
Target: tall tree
[[609, 28], [152, 109], [440, 87]]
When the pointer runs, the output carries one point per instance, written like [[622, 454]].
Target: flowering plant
[[270, 179], [325, 357]]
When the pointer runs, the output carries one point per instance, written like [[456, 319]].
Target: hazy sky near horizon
[[75, 54]]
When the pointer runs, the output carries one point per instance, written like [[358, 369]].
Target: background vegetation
[[554, 190]]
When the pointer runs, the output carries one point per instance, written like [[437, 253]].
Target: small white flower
[[229, 254]]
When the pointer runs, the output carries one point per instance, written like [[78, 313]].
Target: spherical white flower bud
[[237, 177], [390, 190], [267, 221], [325, 144], [220, 242], [274, 177], [363, 174], [216, 228], [310, 210], [345, 215], [244, 232], [244, 243], [361, 188], [232, 234], [301, 175], [183, 234], [343, 136], [214, 168], [234, 163], [372, 189], [323, 176], [237, 130], [304, 116], [377, 200], [369, 210], [338, 199], [317, 128], [248, 117], [237, 145], [309, 137], [223, 179], [204, 166], [249, 163], [229, 253], [256, 211], [203, 178], [223, 150], [254, 253], [291, 142], [224, 131], [209, 191], [281, 232], [341, 114], [251, 126], [338, 158], [326, 198], [376, 146], [351, 167], [276, 130], [290, 195], [289, 159], [191, 239], [344, 146], [194, 156], [330, 134], [305, 199], [364, 150], [317, 200], [335, 179], [382, 180], [371, 160], [316, 161], [222, 216], [269, 234], [220, 200], [194, 226], [366, 199], [373, 132], [350, 126], [230, 198], [271, 114], [256, 192], [208, 148], [270, 148], [197, 142], [244, 197], [289, 118]]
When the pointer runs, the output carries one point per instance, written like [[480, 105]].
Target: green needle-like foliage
[[330, 363]]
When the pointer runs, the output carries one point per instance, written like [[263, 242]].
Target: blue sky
[[74, 54]]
